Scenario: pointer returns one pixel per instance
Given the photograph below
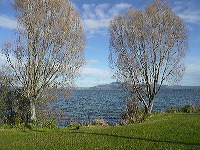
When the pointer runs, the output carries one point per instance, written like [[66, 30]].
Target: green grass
[[161, 131]]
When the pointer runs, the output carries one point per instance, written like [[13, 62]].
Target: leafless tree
[[49, 49], [146, 50]]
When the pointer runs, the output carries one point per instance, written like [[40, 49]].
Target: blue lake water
[[86, 105]]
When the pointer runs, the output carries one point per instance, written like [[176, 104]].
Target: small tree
[[132, 113], [146, 49], [13, 108], [48, 52]]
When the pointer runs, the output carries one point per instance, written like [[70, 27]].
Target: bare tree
[[49, 49], [146, 49]]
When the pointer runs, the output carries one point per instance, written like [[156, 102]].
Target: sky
[[95, 15]]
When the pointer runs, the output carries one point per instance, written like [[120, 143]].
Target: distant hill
[[177, 87], [111, 86], [118, 86], [80, 88]]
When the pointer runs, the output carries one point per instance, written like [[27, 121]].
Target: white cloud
[[192, 73], [101, 11], [92, 76], [93, 11], [115, 10], [95, 24], [95, 73], [7, 22], [96, 17], [92, 62], [188, 11], [92, 70], [88, 11], [191, 16]]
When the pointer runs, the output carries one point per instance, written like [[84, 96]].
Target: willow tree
[[48, 50], [146, 50]]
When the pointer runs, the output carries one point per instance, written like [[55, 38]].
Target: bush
[[133, 113], [20, 126], [36, 123], [172, 109], [197, 108], [6, 126], [43, 123], [29, 126], [99, 122], [13, 108], [74, 125], [187, 109], [49, 124], [184, 109]]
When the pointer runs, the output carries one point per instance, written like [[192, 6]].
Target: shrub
[[6, 126], [20, 126], [43, 123], [49, 124], [13, 108], [133, 113], [99, 122], [172, 109], [197, 108], [74, 125], [36, 123], [29, 126], [187, 109]]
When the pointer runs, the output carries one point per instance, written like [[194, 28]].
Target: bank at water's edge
[[161, 131]]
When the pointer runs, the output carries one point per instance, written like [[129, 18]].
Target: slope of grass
[[161, 131]]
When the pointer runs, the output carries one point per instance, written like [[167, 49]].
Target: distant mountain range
[[117, 86], [181, 87], [111, 86]]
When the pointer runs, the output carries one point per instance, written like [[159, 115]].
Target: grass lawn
[[161, 131]]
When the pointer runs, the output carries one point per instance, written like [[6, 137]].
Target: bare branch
[[49, 50], [147, 48]]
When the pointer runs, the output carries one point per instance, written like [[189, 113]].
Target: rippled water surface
[[86, 105]]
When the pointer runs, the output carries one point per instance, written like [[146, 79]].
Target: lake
[[86, 105]]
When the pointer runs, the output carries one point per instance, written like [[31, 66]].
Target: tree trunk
[[33, 111], [148, 109]]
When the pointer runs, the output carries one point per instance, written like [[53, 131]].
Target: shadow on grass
[[35, 130], [32, 130], [134, 138]]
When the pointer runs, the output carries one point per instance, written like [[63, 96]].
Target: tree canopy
[[49, 48], [147, 48]]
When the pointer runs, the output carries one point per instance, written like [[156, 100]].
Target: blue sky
[[95, 16]]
